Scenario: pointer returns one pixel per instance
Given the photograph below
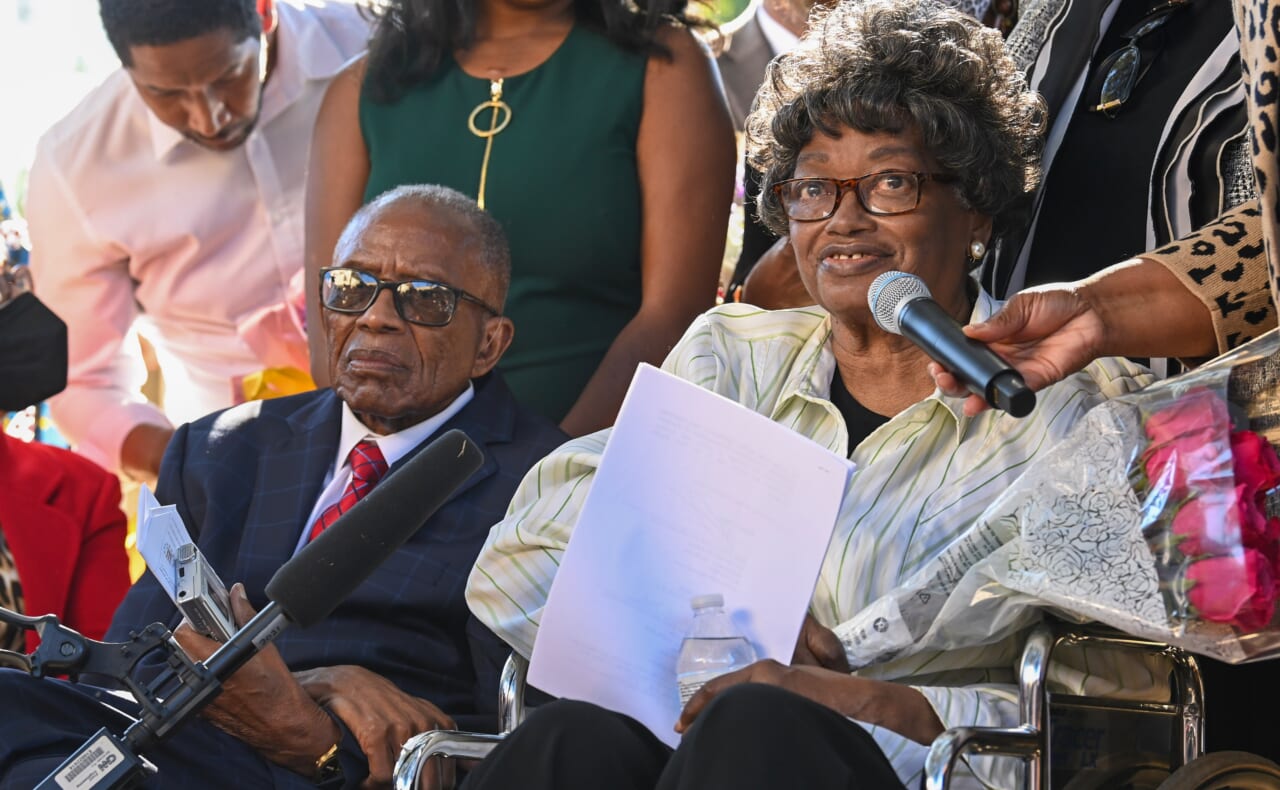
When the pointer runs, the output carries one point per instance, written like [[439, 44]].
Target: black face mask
[[33, 353]]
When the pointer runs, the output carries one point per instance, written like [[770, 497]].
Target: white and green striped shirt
[[921, 480]]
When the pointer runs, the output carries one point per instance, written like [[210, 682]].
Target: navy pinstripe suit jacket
[[245, 480]]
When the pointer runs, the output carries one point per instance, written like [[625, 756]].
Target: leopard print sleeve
[[1258, 23], [1224, 263]]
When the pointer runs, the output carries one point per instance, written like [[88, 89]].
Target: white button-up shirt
[[393, 447], [130, 222]]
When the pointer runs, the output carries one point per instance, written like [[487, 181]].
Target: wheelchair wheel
[[1225, 771]]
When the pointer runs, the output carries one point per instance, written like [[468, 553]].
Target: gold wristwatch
[[328, 768]]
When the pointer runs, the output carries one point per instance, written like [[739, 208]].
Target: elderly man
[[414, 327], [173, 194]]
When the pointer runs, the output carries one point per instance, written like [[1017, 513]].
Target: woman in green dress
[[598, 135]]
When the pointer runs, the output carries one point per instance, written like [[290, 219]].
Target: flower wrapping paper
[[1152, 516]]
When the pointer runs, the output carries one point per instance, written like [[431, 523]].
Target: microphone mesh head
[[889, 293]]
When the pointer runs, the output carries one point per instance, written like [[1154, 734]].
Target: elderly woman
[[898, 136]]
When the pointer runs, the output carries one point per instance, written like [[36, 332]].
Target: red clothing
[[61, 519]]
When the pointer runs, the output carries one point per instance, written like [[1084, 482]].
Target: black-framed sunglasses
[[421, 302], [886, 192], [1123, 69]]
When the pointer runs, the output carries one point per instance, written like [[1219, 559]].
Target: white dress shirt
[[780, 39], [132, 222], [394, 446]]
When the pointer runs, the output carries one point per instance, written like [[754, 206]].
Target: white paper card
[[695, 494], [160, 533]]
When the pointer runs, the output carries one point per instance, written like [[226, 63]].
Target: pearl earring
[[976, 250]]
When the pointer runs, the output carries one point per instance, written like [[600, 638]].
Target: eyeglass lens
[[879, 193], [1122, 75], [1123, 68], [417, 301]]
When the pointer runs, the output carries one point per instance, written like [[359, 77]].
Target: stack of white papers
[[160, 533]]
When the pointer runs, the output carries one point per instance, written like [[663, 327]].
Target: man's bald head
[[450, 205]]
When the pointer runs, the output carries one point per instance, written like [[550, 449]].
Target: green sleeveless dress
[[562, 181]]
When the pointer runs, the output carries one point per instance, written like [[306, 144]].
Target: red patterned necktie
[[367, 468]]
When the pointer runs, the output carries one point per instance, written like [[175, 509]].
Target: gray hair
[[889, 65], [495, 253]]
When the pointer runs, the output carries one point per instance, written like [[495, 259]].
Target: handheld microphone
[[302, 592], [902, 305]]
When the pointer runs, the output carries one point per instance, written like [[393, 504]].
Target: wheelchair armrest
[[1029, 740], [1025, 741], [416, 751], [956, 742], [511, 686], [439, 743]]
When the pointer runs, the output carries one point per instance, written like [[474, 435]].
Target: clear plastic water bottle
[[712, 646]]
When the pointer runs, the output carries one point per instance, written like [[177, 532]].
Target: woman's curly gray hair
[[888, 65]]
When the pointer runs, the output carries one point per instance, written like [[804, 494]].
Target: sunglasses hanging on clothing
[[1123, 69]]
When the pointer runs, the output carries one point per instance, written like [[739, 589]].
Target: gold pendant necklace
[[497, 122]]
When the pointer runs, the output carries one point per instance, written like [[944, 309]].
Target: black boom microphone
[[390, 514], [302, 592], [902, 305]]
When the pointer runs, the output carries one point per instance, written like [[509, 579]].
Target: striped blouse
[[921, 479]]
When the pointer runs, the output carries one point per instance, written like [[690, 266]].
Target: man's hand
[[262, 704], [1045, 333], [142, 451], [820, 647], [891, 705], [379, 715]]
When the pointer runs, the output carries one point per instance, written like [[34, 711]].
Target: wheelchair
[[416, 752], [1066, 742]]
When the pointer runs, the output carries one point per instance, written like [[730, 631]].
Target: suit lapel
[[488, 419], [290, 473], [743, 65], [289, 480]]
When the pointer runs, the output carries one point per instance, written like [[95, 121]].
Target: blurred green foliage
[[722, 11]]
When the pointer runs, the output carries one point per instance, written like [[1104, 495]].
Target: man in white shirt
[[171, 198]]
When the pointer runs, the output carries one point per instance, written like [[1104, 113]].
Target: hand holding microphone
[[279, 712], [901, 305], [262, 703]]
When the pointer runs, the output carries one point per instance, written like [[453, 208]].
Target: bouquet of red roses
[[1203, 488]]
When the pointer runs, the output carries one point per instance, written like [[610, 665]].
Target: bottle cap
[[707, 601]]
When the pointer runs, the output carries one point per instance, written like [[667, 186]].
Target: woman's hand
[[1137, 308], [1046, 334], [891, 705]]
